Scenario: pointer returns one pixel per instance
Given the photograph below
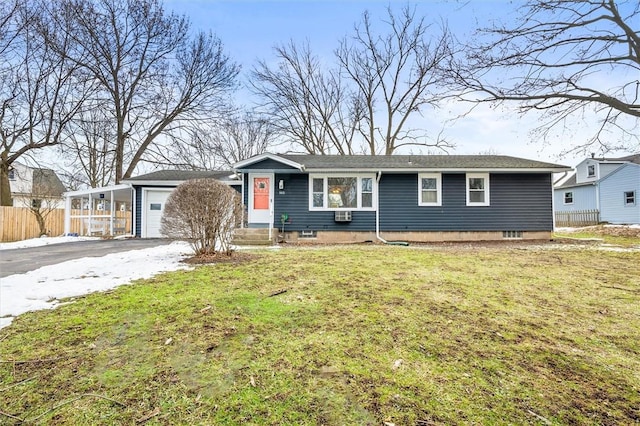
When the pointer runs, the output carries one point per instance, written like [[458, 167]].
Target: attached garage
[[154, 201], [152, 190]]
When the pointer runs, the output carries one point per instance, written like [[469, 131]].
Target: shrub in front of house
[[203, 212]]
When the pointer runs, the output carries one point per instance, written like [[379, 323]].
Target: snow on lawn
[[43, 241], [41, 288]]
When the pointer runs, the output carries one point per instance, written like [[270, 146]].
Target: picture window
[[342, 192]]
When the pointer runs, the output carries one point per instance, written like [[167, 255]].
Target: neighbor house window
[[429, 189], [591, 171], [630, 198], [568, 197], [12, 175], [36, 203], [477, 189], [341, 192]]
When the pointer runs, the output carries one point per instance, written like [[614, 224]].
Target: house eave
[[253, 160], [88, 191], [436, 170], [170, 183]]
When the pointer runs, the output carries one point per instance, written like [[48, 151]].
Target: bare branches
[[40, 91], [151, 74], [203, 212], [310, 108], [365, 103], [567, 59]]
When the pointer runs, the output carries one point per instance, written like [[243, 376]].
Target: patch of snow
[[42, 241], [43, 287]]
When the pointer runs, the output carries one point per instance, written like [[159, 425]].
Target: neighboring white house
[[31, 186], [608, 185]]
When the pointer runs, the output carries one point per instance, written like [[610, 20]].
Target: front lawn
[[344, 335]]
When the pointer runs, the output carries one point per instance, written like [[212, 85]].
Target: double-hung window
[[342, 192], [568, 197], [630, 198], [478, 189], [429, 189]]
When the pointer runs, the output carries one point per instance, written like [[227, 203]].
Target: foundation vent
[[512, 235]]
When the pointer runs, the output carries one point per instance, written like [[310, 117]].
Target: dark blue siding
[[519, 202], [294, 201], [138, 210]]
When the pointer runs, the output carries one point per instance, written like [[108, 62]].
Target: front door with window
[[260, 197]]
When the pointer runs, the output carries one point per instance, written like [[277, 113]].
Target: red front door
[[260, 198], [261, 193]]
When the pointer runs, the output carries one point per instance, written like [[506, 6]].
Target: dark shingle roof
[[181, 175], [47, 183], [417, 162], [634, 158], [571, 182]]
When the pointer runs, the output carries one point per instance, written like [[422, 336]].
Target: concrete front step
[[252, 237], [247, 242]]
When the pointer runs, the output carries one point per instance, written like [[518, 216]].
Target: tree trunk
[[5, 186], [41, 223]]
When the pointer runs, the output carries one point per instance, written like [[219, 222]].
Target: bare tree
[[232, 139], [203, 212], [401, 71], [40, 91], [311, 108], [155, 77], [242, 137], [569, 60], [90, 145], [364, 104]]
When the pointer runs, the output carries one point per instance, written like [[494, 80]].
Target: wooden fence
[[19, 223], [578, 218]]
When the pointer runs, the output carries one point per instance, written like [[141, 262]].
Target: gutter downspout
[[378, 176]]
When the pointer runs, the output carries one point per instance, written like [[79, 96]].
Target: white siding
[[584, 198], [612, 189], [582, 171]]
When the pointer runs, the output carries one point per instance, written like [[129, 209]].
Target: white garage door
[[153, 209]]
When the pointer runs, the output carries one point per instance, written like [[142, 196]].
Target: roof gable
[[619, 169], [47, 183], [282, 159]]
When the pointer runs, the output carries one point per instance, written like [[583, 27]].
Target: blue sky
[[249, 29]]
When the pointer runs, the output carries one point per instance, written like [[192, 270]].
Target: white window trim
[[325, 200], [564, 198], [487, 193], [438, 178], [624, 195]]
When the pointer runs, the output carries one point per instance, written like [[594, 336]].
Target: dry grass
[[362, 335]]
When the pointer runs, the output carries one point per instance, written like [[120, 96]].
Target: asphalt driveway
[[19, 261]]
